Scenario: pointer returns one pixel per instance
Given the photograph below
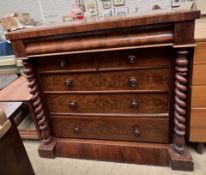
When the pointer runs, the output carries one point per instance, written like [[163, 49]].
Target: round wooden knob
[[62, 63], [132, 59], [76, 130], [132, 81], [134, 104], [136, 131], [68, 83], [72, 105]]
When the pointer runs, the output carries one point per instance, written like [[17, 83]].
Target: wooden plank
[[198, 125], [16, 91], [199, 75], [6, 79], [200, 53], [198, 96]]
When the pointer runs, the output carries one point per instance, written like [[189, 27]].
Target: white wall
[[53, 10]]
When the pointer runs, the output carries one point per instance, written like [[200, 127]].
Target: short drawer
[[146, 79], [107, 103], [200, 54], [148, 57], [66, 62], [198, 125], [198, 96], [125, 129], [199, 74]]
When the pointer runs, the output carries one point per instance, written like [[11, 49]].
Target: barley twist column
[[37, 104], [180, 111]]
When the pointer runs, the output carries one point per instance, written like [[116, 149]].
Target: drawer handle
[[132, 59], [132, 81], [134, 104], [63, 63], [136, 131], [68, 83], [76, 130], [72, 105]]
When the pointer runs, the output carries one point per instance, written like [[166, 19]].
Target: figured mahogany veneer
[[147, 79], [100, 87], [109, 128], [108, 103]]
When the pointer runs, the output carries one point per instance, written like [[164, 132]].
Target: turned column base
[[182, 162], [47, 151]]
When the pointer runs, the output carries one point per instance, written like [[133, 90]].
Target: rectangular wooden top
[[16, 91], [95, 24]]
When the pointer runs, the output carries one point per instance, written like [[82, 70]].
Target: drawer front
[[199, 75], [148, 79], [198, 125], [198, 96], [200, 54], [67, 62], [107, 103], [125, 129], [149, 57]]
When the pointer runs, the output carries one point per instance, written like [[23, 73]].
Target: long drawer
[[149, 57], [146, 79], [107, 103], [126, 129]]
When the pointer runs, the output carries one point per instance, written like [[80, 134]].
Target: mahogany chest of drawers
[[112, 89]]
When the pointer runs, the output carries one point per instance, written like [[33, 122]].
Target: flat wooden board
[[16, 91], [200, 53], [6, 79], [199, 72], [198, 97], [10, 108], [198, 125]]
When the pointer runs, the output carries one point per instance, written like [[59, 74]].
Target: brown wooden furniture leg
[[200, 148], [48, 142], [180, 157]]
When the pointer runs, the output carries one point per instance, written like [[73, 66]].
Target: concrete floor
[[65, 166]]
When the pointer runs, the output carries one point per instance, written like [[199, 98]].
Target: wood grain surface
[[150, 129], [198, 125], [199, 75], [16, 91], [108, 103], [200, 54], [106, 60], [198, 96], [148, 79], [103, 41], [66, 62]]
